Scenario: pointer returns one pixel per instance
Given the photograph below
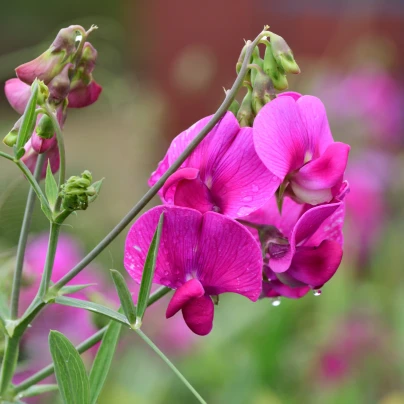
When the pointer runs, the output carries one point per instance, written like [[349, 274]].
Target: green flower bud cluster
[[78, 192]]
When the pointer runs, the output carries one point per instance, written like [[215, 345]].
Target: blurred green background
[[162, 66]]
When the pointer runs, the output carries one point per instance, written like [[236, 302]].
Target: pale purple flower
[[303, 245], [223, 174], [200, 255], [293, 139]]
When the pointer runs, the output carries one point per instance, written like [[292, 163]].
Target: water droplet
[[137, 248], [276, 302], [247, 199], [317, 292], [244, 211]]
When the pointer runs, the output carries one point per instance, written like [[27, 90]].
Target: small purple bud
[[59, 86]]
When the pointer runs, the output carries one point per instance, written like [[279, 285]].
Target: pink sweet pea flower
[[199, 255], [223, 174], [17, 94], [303, 245], [293, 139]]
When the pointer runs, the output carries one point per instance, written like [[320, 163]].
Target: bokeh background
[[162, 65]]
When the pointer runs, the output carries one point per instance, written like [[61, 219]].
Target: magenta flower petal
[[17, 94], [326, 171], [280, 138], [241, 180], [193, 194], [316, 265], [198, 314], [188, 291], [83, 96], [292, 94], [230, 259], [276, 288]]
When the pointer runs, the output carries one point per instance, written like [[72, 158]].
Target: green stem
[[50, 259], [83, 347], [170, 364], [62, 153], [9, 363], [22, 242], [159, 184], [7, 156]]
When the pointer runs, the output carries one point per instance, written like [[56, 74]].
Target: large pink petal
[[208, 152], [17, 94], [83, 96], [198, 314], [189, 290], [280, 138], [230, 259], [325, 171], [241, 183], [176, 254], [316, 265], [193, 194]]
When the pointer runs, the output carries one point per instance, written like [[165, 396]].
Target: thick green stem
[[50, 259], [9, 363], [83, 347], [22, 242], [62, 153]]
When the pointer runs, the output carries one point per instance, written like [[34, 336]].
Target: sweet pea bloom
[[303, 245], [293, 139], [223, 174], [200, 255]]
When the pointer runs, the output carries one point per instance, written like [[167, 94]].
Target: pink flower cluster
[[222, 229]]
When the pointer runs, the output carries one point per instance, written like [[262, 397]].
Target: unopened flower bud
[[283, 54], [263, 90], [11, 138], [46, 66], [241, 57], [245, 114], [44, 128], [43, 138], [255, 60], [59, 86], [271, 68]]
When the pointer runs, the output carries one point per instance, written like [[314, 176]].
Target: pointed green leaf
[[124, 296], [70, 372], [37, 390], [148, 273], [97, 187], [51, 187], [94, 307], [28, 120], [103, 360]]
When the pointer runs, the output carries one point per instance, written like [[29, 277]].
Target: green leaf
[[103, 360], [37, 390], [28, 120], [94, 307], [51, 187], [66, 290], [70, 372], [148, 273], [124, 296], [97, 187]]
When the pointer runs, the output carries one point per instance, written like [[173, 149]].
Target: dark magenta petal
[[83, 96], [189, 290], [230, 259], [277, 288], [316, 265], [170, 186], [325, 171], [17, 94], [198, 314], [193, 194], [241, 182]]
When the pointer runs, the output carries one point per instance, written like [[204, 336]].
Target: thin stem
[[170, 364], [7, 156], [159, 184], [22, 242], [33, 182], [9, 363], [62, 153], [83, 347], [50, 259]]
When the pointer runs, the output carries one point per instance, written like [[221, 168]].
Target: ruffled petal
[[17, 94], [189, 290], [83, 96], [277, 288], [176, 254], [280, 138], [198, 314], [241, 183], [229, 258], [316, 265]]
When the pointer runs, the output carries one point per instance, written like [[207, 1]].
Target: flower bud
[[283, 54], [272, 69], [46, 66], [44, 127], [241, 57], [263, 90], [245, 114], [59, 86], [11, 138], [43, 138]]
